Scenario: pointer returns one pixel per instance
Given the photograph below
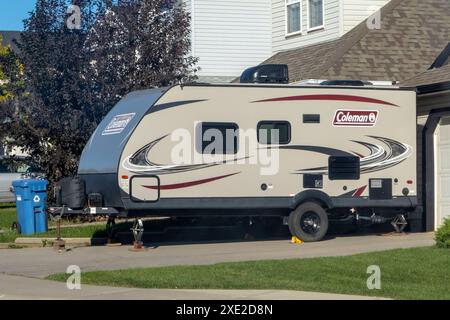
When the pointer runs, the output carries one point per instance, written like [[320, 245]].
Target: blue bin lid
[[30, 183]]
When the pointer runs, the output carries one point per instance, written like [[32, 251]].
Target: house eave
[[434, 88]]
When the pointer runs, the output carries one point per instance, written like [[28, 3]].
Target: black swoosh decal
[[323, 150], [139, 162], [169, 105], [378, 159]]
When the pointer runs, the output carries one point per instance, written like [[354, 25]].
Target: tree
[[11, 84], [11, 72], [138, 44], [73, 76]]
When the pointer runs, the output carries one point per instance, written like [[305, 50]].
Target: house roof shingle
[[432, 76], [412, 34]]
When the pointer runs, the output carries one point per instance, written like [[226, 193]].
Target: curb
[[6, 245], [80, 242]]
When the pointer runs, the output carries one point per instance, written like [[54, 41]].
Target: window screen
[[269, 131], [315, 13], [293, 16], [219, 138], [343, 168]]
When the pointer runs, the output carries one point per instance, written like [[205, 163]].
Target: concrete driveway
[[41, 262]]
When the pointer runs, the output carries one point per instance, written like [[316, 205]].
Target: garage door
[[442, 171]]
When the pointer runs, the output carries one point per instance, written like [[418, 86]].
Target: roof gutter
[[433, 88]]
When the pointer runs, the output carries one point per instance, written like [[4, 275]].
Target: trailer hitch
[[399, 222], [373, 219], [56, 215]]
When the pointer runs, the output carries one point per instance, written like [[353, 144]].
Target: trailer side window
[[219, 138], [344, 168], [274, 132]]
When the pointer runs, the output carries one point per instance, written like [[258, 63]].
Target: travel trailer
[[309, 153]]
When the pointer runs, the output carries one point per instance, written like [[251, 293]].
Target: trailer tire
[[308, 222]]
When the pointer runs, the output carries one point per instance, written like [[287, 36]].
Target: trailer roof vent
[[266, 73], [354, 83]]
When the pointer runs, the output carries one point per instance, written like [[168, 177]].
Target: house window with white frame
[[316, 14], [293, 16]]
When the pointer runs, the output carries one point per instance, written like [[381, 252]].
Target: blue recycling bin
[[31, 197]]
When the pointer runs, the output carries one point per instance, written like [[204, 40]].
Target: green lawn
[[419, 273], [8, 216]]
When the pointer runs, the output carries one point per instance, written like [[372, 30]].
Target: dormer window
[[315, 14], [293, 17]]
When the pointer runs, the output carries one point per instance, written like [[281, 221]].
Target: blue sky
[[12, 13]]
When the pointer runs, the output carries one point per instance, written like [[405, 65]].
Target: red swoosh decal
[[189, 183], [333, 97], [358, 154], [359, 191]]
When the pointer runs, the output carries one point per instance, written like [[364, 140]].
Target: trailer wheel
[[309, 222]]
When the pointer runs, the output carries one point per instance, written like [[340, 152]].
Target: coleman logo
[[355, 118], [118, 124]]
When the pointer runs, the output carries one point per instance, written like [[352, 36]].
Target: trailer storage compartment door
[[442, 171], [144, 188]]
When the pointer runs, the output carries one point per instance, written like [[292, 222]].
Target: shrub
[[442, 236]]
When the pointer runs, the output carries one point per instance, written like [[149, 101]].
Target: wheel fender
[[317, 195]]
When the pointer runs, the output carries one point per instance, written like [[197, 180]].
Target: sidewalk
[[15, 287]]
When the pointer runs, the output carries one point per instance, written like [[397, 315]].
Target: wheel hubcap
[[310, 222]]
